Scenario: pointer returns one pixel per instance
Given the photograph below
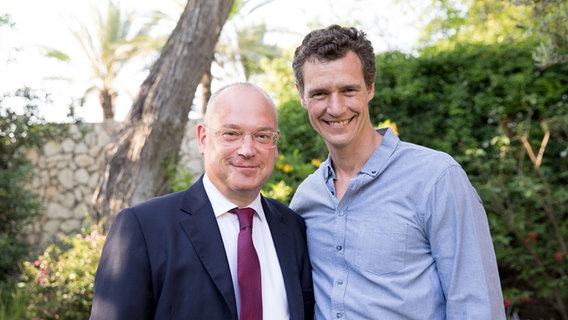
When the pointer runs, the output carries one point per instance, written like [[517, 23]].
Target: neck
[[349, 160]]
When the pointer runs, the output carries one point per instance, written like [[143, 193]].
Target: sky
[[40, 24]]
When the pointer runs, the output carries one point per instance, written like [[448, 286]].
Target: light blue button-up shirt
[[408, 240]]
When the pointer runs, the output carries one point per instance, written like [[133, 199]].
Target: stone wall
[[67, 172]]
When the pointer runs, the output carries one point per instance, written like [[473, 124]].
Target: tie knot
[[245, 216]]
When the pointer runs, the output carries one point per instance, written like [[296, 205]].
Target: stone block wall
[[67, 172]]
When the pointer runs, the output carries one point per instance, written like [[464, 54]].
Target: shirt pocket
[[379, 248]]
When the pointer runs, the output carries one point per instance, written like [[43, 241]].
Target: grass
[[13, 302]]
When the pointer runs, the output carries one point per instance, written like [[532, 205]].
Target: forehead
[[347, 69], [242, 107]]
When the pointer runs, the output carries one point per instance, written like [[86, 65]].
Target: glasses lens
[[265, 139]]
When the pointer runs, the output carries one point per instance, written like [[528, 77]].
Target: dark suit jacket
[[165, 259]]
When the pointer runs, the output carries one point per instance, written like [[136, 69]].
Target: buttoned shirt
[[274, 300], [408, 240]]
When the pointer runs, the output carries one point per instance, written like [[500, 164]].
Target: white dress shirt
[[274, 301]]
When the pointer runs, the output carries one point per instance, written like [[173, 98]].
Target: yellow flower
[[280, 191], [316, 162], [390, 124], [287, 168], [394, 127]]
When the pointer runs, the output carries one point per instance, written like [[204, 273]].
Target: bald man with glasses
[[218, 250]]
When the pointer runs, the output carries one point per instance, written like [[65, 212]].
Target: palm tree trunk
[[107, 100]]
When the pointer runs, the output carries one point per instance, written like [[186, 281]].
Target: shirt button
[[339, 315], [340, 282], [339, 248]]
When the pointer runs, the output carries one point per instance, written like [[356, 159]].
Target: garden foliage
[[18, 205], [506, 121], [60, 282]]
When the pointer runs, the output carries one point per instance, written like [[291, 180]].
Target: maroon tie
[[248, 268]]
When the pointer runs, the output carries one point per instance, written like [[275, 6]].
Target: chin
[[247, 187]]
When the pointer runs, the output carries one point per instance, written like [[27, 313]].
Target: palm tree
[[241, 45], [248, 50], [111, 45]]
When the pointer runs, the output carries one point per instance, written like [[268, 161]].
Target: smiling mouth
[[244, 166], [338, 123]]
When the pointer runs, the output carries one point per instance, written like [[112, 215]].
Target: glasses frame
[[221, 135]]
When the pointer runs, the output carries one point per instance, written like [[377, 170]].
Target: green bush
[[460, 97], [488, 105], [289, 171], [18, 209], [297, 134], [526, 196], [18, 205], [60, 282], [179, 177]]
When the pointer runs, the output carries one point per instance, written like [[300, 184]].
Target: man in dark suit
[[175, 256]]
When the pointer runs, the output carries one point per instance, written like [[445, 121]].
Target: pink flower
[[43, 272]]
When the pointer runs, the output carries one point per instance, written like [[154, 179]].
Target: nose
[[247, 148], [336, 104]]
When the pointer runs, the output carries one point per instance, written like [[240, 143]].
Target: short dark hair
[[333, 43]]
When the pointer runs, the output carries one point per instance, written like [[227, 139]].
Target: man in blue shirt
[[395, 230]]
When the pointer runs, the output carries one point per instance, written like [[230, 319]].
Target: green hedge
[[19, 206], [489, 106]]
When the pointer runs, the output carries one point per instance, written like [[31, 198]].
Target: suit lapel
[[203, 231], [280, 235], [283, 244]]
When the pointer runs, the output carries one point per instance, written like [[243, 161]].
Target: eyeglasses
[[231, 137]]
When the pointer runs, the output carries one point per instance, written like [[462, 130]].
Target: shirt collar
[[375, 164], [222, 205]]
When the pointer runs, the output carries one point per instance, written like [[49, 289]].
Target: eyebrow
[[317, 90], [341, 88]]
